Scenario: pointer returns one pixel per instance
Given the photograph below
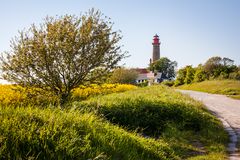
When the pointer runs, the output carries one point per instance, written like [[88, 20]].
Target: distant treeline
[[213, 68]]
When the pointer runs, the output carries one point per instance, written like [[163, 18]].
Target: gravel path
[[228, 111]]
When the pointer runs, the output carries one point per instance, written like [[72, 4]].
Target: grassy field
[[56, 134], [160, 112], [230, 88], [146, 123]]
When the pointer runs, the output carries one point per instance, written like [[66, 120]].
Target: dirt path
[[228, 111]]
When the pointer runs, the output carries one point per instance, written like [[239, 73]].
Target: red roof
[[142, 70]]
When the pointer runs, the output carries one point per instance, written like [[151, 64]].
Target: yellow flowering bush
[[83, 92], [11, 94], [17, 95]]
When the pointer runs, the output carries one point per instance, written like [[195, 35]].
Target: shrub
[[143, 84], [200, 75], [84, 92], [124, 76], [181, 75], [20, 96], [190, 71], [235, 75], [168, 83]]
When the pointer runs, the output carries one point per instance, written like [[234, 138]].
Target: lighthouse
[[144, 75], [156, 48]]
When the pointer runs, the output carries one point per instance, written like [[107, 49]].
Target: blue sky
[[191, 31]]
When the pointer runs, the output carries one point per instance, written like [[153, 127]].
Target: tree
[[181, 75], [235, 75], [165, 66], [200, 74], [185, 75], [227, 61], [219, 67], [124, 76], [190, 71], [63, 53], [213, 66]]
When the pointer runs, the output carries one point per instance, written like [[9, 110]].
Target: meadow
[[140, 123], [230, 88]]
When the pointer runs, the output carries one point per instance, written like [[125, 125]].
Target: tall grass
[[33, 133], [146, 123], [160, 112]]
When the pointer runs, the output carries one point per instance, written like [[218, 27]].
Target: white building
[[147, 76]]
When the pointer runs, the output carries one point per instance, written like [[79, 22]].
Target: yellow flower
[[83, 92]]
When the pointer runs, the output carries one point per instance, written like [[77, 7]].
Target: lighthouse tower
[[156, 48]]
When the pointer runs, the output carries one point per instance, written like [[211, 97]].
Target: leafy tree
[[185, 76], [213, 66], [236, 74], [124, 76], [190, 71], [165, 66], [63, 53], [200, 74], [181, 75], [227, 61], [219, 67]]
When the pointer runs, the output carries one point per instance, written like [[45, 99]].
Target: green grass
[[32, 133], [160, 112], [230, 88], [148, 123]]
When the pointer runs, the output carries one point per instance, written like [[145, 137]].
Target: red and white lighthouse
[[156, 48]]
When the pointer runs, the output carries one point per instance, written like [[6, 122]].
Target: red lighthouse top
[[156, 39]]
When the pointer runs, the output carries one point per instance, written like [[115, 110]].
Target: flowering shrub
[[83, 92], [17, 95], [11, 94]]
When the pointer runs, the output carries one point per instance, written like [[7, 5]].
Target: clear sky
[[191, 31]]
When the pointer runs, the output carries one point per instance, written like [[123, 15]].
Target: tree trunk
[[64, 97]]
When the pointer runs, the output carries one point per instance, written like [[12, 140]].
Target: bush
[[190, 71], [168, 83], [143, 84], [200, 75], [84, 92], [223, 75], [20, 96], [123, 76], [181, 75], [235, 75]]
